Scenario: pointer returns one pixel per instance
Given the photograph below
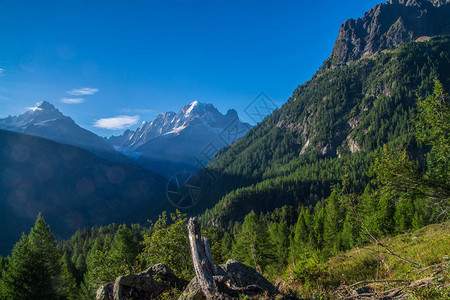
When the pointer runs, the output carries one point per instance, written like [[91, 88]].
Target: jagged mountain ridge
[[178, 139], [46, 121], [389, 25], [173, 123]]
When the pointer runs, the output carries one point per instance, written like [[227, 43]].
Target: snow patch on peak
[[36, 107], [42, 106], [192, 105]]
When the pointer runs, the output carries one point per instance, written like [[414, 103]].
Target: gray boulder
[[192, 291], [149, 284], [105, 292], [241, 276], [232, 273]]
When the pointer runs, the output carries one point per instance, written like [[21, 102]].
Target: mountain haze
[[70, 186]]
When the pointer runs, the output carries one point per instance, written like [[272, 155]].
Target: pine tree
[[67, 286], [253, 246], [350, 230], [397, 172], [279, 235], [125, 249], [169, 244], [17, 279], [33, 266], [43, 244], [317, 240], [333, 223], [302, 232]]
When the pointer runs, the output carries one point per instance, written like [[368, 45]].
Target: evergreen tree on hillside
[[34, 266], [17, 279], [279, 235], [113, 257], [302, 233], [253, 246], [67, 286], [334, 221], [124, 248], [168, 244], [398, 173]]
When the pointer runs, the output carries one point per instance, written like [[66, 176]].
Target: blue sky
[[136, 59]]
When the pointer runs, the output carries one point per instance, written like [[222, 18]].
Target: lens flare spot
[[43, 172], [85, 186], [116, 175], [11, 177]]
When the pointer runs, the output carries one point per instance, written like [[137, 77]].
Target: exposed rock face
[[145, 285], [235, 274], [192, 291], [389, 25], [105, 292], [242, 275]]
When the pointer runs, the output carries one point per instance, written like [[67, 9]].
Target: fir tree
[[168, 244], [125, 249], [67, 286], [253, 246], [33, 266]]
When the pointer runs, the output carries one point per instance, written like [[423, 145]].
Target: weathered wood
[[202, 259], [212, 285]]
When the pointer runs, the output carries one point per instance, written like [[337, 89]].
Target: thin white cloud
[[71, 100], [35, 108], [2, 71], [137, 110], [83, 91], [116, 123]]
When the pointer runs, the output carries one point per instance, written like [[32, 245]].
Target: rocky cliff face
[[388, 25]]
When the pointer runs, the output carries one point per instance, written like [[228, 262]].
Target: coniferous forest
[[341, 193]]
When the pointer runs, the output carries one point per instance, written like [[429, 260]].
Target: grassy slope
[[427, 246]]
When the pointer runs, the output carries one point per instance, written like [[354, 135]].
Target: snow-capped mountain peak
[[42, 111], [45, 120], [181, 141], [195, 114], [36, 107]]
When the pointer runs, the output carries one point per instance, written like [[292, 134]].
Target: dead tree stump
[[202, 259], [212, 285]]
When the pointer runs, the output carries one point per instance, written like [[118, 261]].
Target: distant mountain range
[[44, 120], [174, 142], [70, 186], [49, 164], [183, 141]]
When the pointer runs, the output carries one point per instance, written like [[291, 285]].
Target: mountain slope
[[70, 186], [44, 120], [332, 122], [186, 140]]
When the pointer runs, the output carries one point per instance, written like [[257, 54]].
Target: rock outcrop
[[149, 284], [389, 25], [234, 274]]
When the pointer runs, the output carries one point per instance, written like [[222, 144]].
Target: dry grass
[[426, 247]]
